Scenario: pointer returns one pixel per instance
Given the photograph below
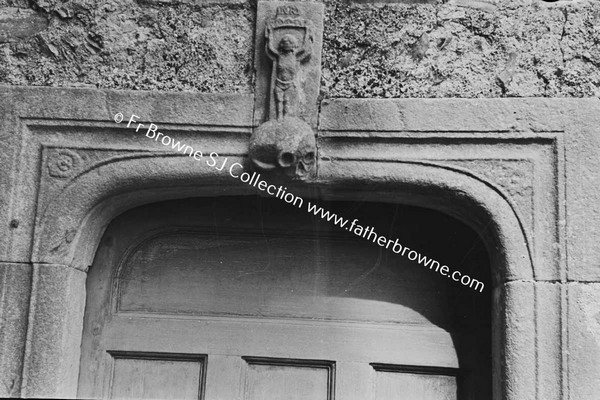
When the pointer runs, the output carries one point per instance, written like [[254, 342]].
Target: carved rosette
[[63, 163]]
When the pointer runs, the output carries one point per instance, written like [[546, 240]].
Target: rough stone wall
[[461, 48], [473, 50], [124, 44], [449, 50]]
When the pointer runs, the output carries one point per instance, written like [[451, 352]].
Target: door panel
[[273, 276], [350, 342], [275, 379], [401, 385], [406, 382], [156, 376], [234, 300]]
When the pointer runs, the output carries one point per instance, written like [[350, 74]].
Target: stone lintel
[[461, 115]]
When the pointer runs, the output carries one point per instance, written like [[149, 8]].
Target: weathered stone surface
[[20, 24], [453, 49], [426, 115], [549, 313], [517, 330], [8, 166], [95, 105], [192, 2], [461, 49], [357, 114], [584, 340], [124, 44], [52, 357], [15, 286], [582, 146]]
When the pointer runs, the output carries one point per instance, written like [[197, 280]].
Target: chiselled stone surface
[[15, 281]]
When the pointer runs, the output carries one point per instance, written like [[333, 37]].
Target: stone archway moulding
[[71, 224], [497, 165]]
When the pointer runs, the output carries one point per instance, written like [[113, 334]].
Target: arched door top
[[72, 222]]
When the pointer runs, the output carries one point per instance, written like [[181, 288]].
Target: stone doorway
[[501, 171]]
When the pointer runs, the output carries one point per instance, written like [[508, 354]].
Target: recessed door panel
[[393, 383], [156, 376], [270, 276], [275, 379]]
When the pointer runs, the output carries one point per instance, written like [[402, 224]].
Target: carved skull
[[284, 146]]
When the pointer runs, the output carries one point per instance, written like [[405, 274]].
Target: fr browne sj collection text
[[236, 170]]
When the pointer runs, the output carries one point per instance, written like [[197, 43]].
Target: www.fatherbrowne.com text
[[236, 170]]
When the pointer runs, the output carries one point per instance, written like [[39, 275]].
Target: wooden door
[[249, 299]]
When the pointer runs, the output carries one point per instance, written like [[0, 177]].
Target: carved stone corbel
[[288, 63]]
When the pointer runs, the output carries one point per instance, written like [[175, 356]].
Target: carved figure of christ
[[287, 56]]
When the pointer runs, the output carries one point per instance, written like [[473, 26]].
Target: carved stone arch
[[453, 190], [72, 223]]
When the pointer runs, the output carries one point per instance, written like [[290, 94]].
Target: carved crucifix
[[287, 54]]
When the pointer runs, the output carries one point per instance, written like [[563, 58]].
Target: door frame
[[414, 151]]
